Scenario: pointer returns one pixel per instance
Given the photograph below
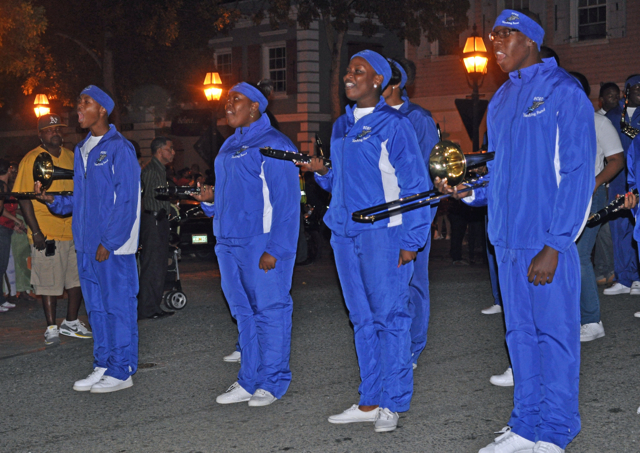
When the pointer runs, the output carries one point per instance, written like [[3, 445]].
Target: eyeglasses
[[502, 33]]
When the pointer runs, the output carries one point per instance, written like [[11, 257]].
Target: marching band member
[[376, 158], [256, 219], [540, 124], [427, 133], [106, 223]]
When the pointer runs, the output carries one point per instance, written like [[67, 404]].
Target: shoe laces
[[260, 393], [386, 414], [94, 372], [547, 447], [233, 386]]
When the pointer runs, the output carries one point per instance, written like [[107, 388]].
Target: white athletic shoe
[[591, 331], [262, 398], [51, 336], [509, 442], [615, 289], [635, 289], [503, 380], [415, 365], [386, 421], [492, 310], [234, 394], [546, 447], [8, 305], [84, 385], [108, 384], [235, 357], [75, 329], [354, 415]]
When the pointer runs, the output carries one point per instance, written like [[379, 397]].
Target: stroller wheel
[[175, 300]]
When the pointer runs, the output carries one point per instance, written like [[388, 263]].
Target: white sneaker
[[84, 385], [415, 365], [635, 289], [75, 329], [492, 310], [354, 415], [503, 380], [108, 384], [386, 421], [8, 305], [591, 331], [261, 398], [637, 314], [546, 447], [234, 394], [2, 309], [235, 357], [615, 289], [509, 442], [51, 336]]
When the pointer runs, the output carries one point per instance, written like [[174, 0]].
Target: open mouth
[[349, 85], [500, 57], [80, 117]]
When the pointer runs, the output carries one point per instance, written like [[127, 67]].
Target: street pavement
[[172, 408]]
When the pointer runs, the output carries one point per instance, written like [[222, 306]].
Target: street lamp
[[41, 105], [213, 92], [474, 56]]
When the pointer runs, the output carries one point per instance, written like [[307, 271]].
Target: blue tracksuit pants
[[376, 292], [543, 335], [419, 302], [261, 304], [625, 254], [110, 289]]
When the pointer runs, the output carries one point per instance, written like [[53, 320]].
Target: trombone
[[445, 161], [44, 172]]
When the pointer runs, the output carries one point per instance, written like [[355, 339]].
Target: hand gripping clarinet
[[296, 157], [615, 206]]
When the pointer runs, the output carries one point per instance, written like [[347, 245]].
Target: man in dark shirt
[[154, 231]]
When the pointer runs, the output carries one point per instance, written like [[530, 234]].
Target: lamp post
[[213, 92], [474, 56], [41, 104]]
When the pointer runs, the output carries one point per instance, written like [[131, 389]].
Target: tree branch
[[91, 53]]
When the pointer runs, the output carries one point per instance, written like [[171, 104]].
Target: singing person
[[376, 158], [256, 218], [403, 73]]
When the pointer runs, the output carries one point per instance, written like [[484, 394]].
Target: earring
[[375, 86], [251, 114]]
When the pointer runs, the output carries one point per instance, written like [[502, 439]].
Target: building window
[[277, 68], [592, 19], [522, 5], [224, 67], [449, 43]]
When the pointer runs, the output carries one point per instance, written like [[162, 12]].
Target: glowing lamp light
[[474, 55], [41, 105], [212, 86]]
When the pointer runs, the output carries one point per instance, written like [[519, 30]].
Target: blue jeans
[[5, 251], [589, 301]]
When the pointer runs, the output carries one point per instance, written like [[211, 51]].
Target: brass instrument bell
[[45, 172], [447, 161]]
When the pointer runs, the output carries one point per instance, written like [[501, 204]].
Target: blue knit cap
[[632, 81], [252, 93], [403, 74], [515, 19], [100, 97], [378, 63]]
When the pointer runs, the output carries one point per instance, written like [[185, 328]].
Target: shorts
[[50, 275]]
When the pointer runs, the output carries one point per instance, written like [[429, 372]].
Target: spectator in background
[[54, 266], [7, 224]]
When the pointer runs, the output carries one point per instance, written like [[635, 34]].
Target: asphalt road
[[172, 408]]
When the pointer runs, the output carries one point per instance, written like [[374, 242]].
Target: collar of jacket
[[349, 110], [525, 75], [110, 133], [242, 134], [158, 164]]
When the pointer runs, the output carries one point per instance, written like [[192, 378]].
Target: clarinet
[[293, 157], [615, 206]]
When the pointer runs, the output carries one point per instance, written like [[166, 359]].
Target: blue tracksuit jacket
[[633, 167], [542, 174], [97, 217], [257, 209], [378, 159], [253, 193], [540, 124]]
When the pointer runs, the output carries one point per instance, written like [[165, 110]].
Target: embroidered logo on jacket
[[532, 111], [362, 135], [102, 159], [239, 153]]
